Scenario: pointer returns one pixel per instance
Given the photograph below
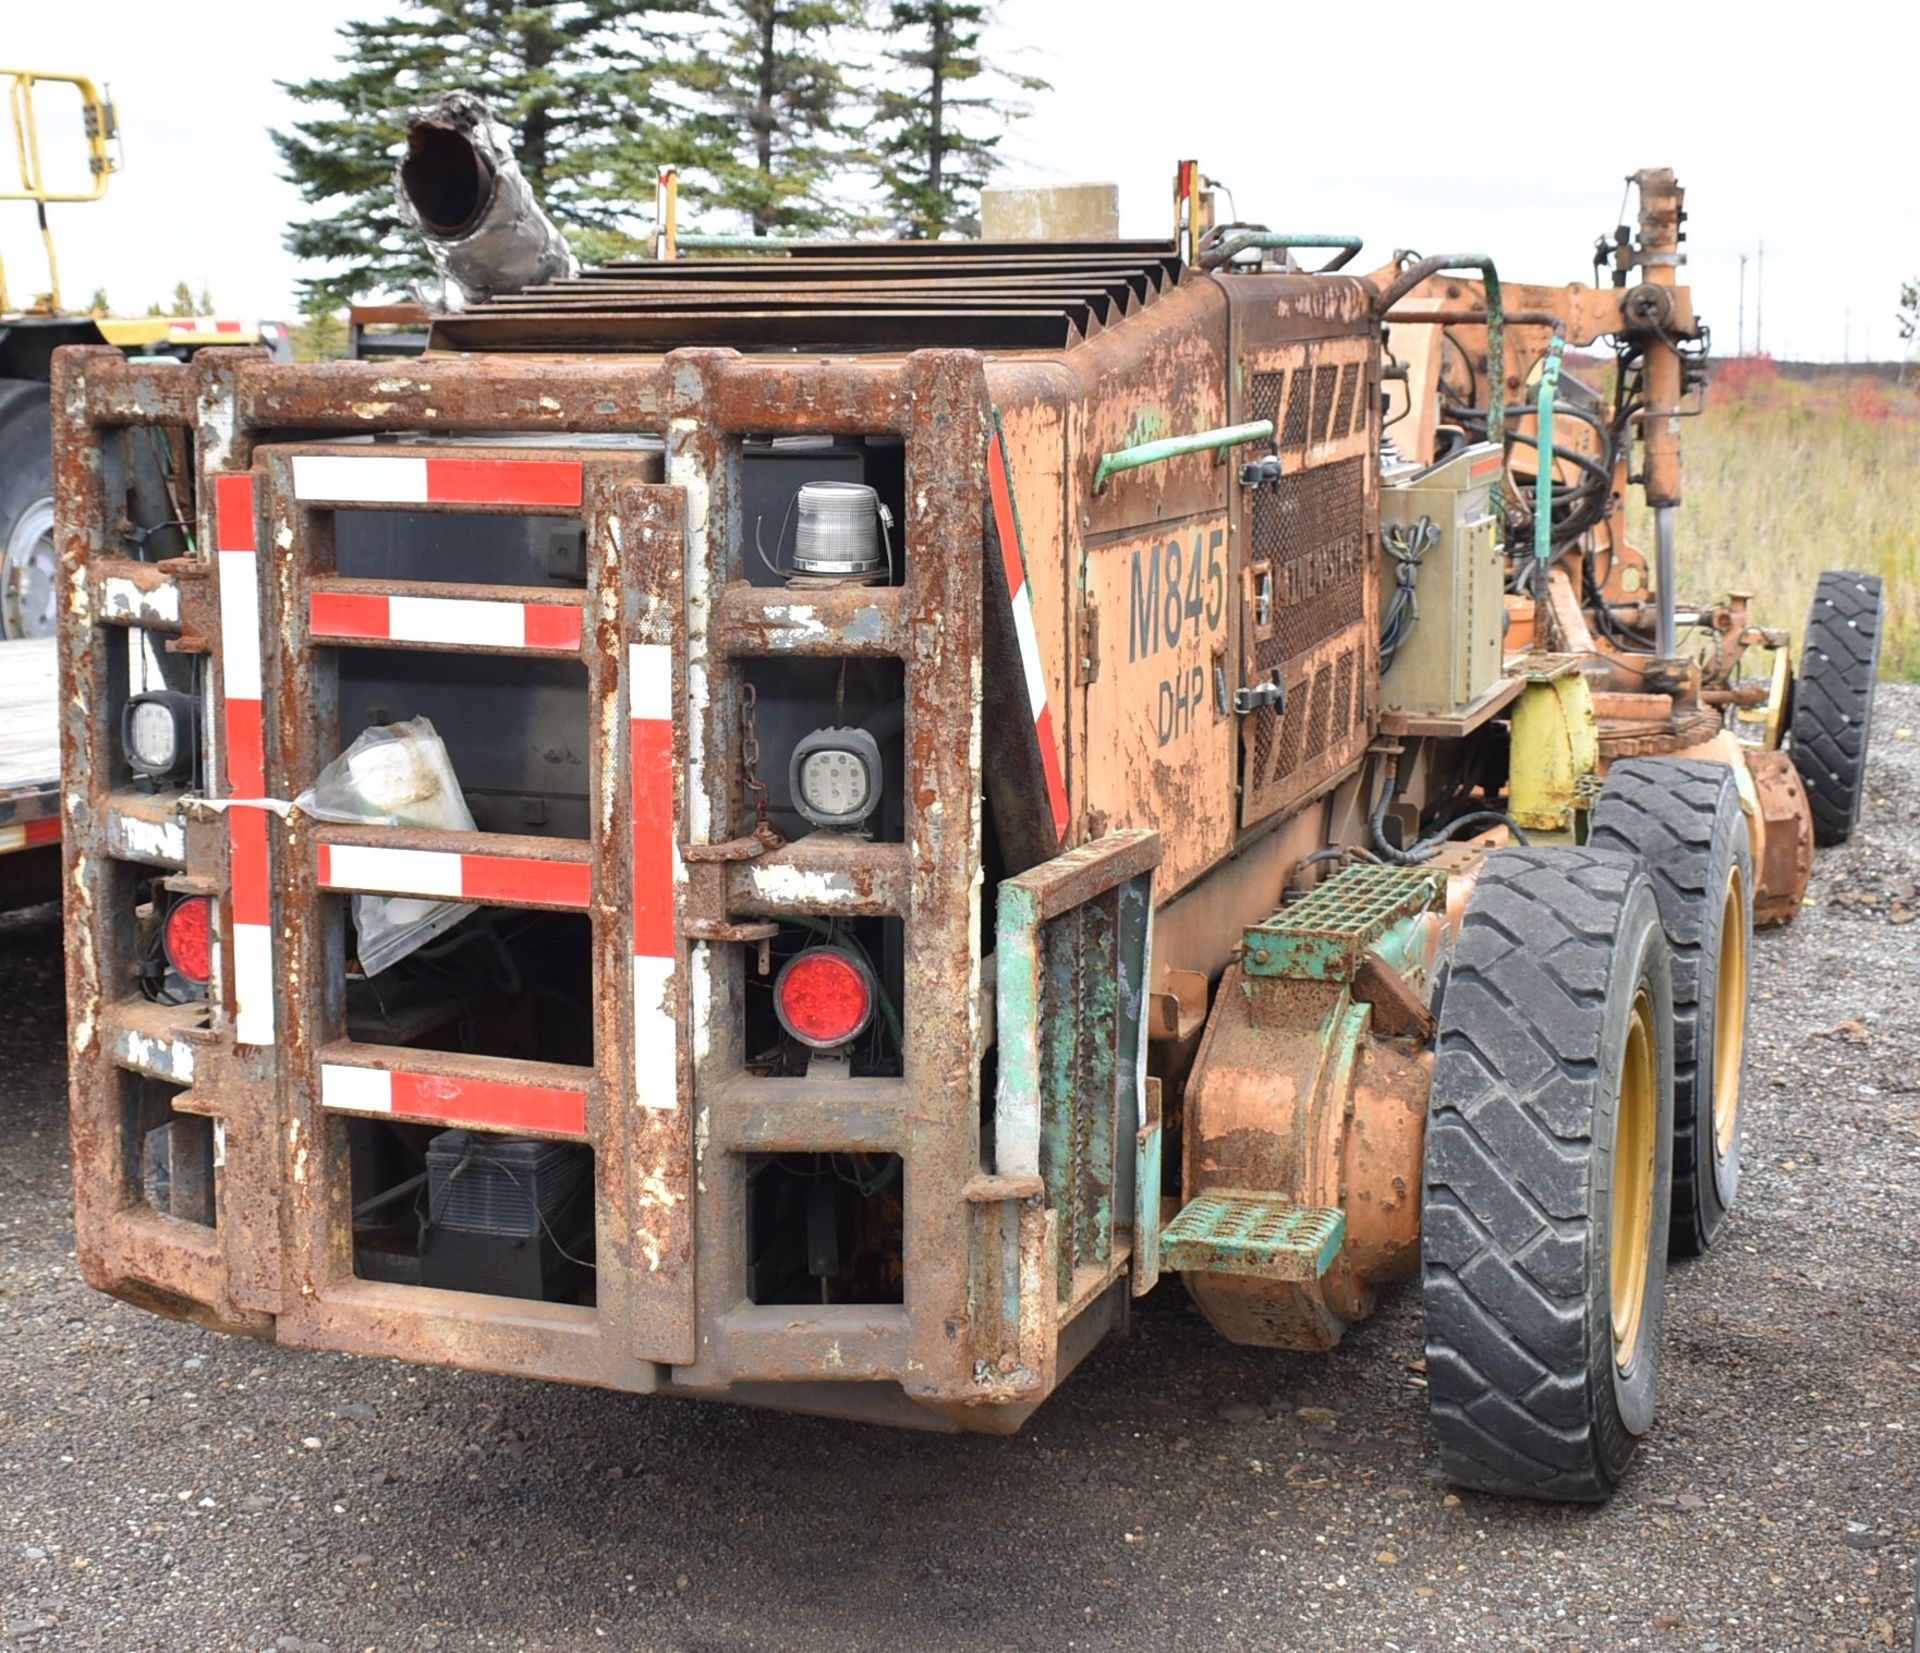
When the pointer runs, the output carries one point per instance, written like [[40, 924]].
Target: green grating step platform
[[1229, 1232], [1325, 936]]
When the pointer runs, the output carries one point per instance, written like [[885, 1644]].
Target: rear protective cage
[[666, 876]]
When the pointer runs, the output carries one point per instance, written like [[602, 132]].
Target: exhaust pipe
[[461, 188]]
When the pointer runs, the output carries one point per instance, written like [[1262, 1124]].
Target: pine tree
[[578, 82], [932, 159], [319, 336], [182, 303], [766, 138]]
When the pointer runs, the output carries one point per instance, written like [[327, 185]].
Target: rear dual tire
[[1683, 818], [1548, 1175]]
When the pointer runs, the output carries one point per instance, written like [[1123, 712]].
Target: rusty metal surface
[[976, 295], [1783, 864], [279, 1259], [1293, 1096]]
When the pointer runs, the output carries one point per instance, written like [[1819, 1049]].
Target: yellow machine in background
[[102, 128], [30, 333]]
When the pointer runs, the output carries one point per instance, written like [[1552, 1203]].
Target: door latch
[[1270, 693]]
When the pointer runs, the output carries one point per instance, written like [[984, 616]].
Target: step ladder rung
[[1228, 1231]]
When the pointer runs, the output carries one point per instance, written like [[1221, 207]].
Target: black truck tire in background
[[1552, 1083], [1833, 699], [1683, 818], [26, 510]]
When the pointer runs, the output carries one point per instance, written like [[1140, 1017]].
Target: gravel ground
[[166, 1488]]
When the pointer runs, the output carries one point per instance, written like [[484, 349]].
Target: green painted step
[[1226, 1231]]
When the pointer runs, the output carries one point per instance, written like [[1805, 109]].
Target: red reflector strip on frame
[[450, 620], [448, 876], [656, 1060], [29, 834], [1013, 566], [441, 1099], [250, 968], [394, 479]]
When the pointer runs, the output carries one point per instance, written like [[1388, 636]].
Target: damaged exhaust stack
[[462, 189]]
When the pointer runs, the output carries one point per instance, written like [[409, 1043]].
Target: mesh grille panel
[[1343, 412], [1295, 434], [1311, 528]]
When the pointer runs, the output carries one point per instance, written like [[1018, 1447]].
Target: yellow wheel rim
[[1634, 1122], [1729, 1017]]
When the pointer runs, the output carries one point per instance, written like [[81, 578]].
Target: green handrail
[[1274, 241], [739, 243], [1172, 447], [1417, 272], [1543, 466]]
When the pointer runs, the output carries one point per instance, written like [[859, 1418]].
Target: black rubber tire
[[1683, 818], [26, 453], [1553, 951], [1833, 699]]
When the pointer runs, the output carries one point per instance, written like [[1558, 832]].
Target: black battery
[[509, 1216]]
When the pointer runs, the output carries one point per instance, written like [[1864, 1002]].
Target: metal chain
[[763, 827]]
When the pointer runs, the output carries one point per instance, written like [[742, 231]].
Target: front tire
[[1548, 1176], [1833, 699], [26, 510], [1683, 818]]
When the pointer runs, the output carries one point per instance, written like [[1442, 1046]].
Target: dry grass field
[[1785, 478]]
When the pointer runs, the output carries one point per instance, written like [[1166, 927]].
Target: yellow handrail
[[101, 127]]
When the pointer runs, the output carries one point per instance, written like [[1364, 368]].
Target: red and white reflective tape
[[442, 1099], [393, 479], [656, 1061], [1013, 563], [448, 876], [252, 961], [548, 627], [29, 834], [200, 326]]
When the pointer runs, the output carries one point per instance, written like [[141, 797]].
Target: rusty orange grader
[[803, 828]]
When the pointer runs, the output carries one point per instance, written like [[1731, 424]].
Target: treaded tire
[[1683, 817], [1833, 699], [26, 458], [1554, 950]]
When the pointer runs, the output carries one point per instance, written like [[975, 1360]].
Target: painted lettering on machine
[[1160, 732], [1176, 614]]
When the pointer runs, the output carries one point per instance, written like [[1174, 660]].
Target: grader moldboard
[[994, 779]]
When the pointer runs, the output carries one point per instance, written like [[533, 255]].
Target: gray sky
[[1785, 124]]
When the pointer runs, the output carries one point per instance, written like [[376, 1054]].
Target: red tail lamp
[[824, 996], [187, 936]]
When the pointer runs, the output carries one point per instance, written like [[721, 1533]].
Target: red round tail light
[[824, 997], [187, 936]]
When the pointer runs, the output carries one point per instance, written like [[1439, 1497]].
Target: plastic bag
[[398, 774]]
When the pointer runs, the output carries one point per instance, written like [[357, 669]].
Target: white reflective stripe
[[358, 1090], [456, 620], [649, 680], [240, 624], [360, 479], [1029, 652], [656, 1066], [13, 835], [253, 984], [393, 871]]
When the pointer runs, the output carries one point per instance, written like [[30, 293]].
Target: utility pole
[[1743, 306], [1760, 303]]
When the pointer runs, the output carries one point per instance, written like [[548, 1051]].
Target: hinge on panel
[[1087, 644], [1271, 693]]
